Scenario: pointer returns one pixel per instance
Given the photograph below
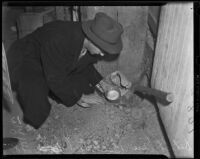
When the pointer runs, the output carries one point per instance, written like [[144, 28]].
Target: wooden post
[[173, 72]]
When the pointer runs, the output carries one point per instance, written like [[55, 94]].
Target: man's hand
[[88, 100], [104, 86]]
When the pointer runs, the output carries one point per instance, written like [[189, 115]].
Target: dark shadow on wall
[[153, 101], [164, 132], [6, 105]]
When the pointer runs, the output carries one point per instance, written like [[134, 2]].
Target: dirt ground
[[127, 127]]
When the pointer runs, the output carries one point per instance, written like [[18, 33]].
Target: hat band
[[100, 37]]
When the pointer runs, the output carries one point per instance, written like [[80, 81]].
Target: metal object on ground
[[9, 142]]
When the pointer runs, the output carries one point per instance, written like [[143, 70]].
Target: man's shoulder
[[59, 24], [57, 29]]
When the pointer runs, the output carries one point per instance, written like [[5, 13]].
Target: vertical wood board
[[173, 72]]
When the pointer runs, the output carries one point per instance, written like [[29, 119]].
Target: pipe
[[158, 94]]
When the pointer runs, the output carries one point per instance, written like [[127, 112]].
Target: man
[[57, 60]]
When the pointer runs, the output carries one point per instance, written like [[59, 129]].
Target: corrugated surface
[[173, 72]]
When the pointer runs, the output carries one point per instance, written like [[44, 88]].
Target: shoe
[[9, 142]]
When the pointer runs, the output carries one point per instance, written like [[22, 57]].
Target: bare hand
[[91, 99]]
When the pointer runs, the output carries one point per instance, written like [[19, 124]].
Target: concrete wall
[[134, 21]]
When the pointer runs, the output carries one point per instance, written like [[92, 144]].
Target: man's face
[[94, 50]]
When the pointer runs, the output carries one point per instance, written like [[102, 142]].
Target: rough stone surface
[[134, 22]]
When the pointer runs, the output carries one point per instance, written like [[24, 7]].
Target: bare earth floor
[[128, 127]]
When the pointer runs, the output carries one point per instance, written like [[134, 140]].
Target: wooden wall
[[173, 72]]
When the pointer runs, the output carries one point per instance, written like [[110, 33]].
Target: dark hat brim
[[110, 48]]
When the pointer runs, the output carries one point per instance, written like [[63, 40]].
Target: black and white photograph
[[84, 79]]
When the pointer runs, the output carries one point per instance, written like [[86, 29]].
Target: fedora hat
[[104, 32]]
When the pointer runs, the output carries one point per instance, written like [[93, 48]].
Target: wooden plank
[[173, 72], [7, 91]]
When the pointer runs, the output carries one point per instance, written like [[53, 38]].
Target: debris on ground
[[129, 126]]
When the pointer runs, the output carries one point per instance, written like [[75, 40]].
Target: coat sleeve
[[57, 69], [86, 66], [94, 76]]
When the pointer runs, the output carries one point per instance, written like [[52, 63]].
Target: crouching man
[[57, 60]]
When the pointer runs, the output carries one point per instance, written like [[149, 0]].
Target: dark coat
[[56, 47]]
